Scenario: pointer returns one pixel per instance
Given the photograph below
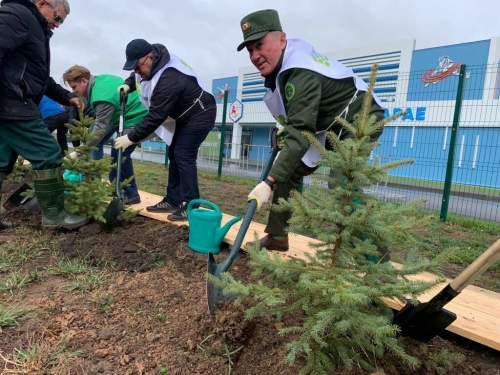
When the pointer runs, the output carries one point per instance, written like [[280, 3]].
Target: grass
[[70, 267], [470, 237], [10, 317], [23, 249], [89, 282], [85, 277], [17, 280], [440, 185], [43, 357]]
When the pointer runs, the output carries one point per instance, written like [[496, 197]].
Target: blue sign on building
[[219, 85], [435, 71]]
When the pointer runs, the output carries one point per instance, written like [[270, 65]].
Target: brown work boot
[[270, 243]]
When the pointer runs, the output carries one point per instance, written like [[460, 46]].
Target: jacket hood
[[161, 56]]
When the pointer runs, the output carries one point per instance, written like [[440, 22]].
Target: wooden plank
[[477, 309]]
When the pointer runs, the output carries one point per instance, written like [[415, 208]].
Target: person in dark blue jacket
[[56, 118]]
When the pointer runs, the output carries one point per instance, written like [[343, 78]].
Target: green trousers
[[30, 139], [278, 221]]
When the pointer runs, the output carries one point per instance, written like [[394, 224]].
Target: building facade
[[424, 83]]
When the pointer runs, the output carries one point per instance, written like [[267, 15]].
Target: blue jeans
[[127, 171], [108, 133], [182, 170]]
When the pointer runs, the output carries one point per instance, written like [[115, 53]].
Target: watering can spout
[[221, 232]]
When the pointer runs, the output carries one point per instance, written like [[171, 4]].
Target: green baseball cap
[[258, 24]]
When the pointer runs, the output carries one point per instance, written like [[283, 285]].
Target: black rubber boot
[[49, 191], [3, 224]]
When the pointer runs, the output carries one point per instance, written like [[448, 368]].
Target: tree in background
[[336, 296]]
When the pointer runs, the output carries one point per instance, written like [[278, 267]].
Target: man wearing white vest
[[170, 89], [306, 92]]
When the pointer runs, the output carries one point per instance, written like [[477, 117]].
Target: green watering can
[[205, 232]]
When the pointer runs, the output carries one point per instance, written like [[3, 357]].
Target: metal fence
[[450, 130]]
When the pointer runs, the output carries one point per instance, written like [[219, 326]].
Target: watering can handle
[[203, 202]]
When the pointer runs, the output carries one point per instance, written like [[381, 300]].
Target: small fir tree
[[87, 193], [20, 170], [338, 293]]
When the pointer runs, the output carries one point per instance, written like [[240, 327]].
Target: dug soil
[[146, 310]]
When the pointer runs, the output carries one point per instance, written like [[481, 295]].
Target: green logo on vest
[[320, 59], [289, 91], [186, 64]]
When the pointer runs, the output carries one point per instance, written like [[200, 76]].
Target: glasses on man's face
[[139, 65], [58, 18]]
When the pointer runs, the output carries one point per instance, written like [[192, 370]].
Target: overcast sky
[[205, 33]]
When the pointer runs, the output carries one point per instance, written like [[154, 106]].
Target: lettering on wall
[[412, 114]]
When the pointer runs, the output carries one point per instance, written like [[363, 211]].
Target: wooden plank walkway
[[477, 309]]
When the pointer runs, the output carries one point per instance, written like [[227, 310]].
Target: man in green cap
[[306, 92]]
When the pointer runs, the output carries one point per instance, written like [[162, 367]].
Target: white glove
[[260, 193], [73, 155], [123, 142], [125, 88]]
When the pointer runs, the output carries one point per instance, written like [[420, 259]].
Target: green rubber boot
[[49, 191], [3, 224]]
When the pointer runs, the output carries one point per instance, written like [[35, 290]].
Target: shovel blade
[[423, 322], [214, 293], [31, 204], [16, 199], [112, 211]]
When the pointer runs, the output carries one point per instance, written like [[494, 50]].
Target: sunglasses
[[57, 18]]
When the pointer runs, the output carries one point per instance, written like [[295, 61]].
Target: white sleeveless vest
[[300, 54], [167, 129]]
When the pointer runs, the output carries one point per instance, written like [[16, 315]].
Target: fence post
[[453, 140], [222, 135], [166, 155]]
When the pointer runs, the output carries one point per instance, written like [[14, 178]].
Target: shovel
[[214, 293], [116, 204], [426, 320], [17, 200]]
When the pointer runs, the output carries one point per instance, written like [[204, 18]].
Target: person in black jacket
[[25, 31], [170, 88]]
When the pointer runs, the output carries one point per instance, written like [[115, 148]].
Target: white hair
[[54, 4]]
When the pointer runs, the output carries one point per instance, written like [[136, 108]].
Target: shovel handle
[[477, 268], [119, 156], [123, 100], [224, 266]]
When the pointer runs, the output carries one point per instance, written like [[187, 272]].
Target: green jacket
[[315, 103], [105, 90]]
